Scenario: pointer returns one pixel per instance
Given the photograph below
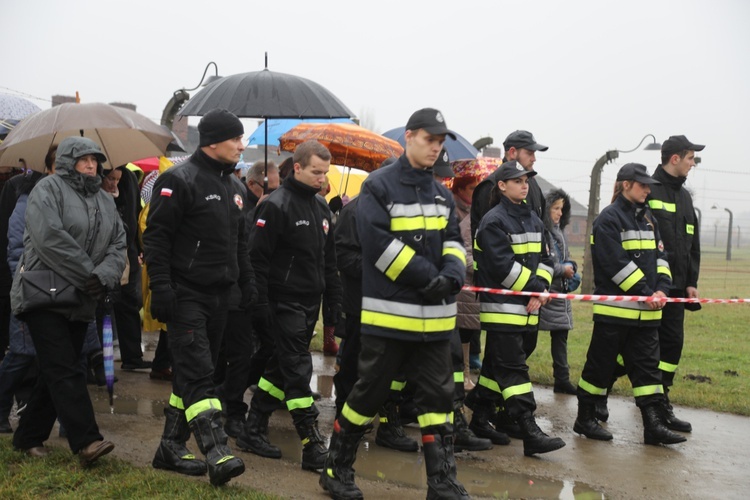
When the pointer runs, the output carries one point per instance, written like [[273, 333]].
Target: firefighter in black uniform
[[672, 207], [413, 265], [509, 254], [628, 259], [293, 252], [195, 250]]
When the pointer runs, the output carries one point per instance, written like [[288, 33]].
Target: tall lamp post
[[181, 96], [729, 232], [587, 283]]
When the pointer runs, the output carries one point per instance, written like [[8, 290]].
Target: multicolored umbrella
[[109, 358], [350, 145], [475, 167]]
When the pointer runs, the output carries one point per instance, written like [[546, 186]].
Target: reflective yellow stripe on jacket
[[662, 205], [627, 310], [638, 240], [416, 216], [507, 314], [394, 259], [408, 317]]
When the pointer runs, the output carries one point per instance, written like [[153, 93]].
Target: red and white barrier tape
[[605, 298]]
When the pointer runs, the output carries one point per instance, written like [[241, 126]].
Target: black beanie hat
[[219, 125]]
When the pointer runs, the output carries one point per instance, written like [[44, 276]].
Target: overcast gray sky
[[584, 76]]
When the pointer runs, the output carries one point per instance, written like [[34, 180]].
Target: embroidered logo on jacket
[[213, 197], [302, 223]]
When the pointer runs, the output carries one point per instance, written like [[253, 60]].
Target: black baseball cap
[[442, 167], [635, 172], [431, 120], [512, 170], [523, 139], [676, 144]]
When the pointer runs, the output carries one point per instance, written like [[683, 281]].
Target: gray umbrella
[[13, 109]]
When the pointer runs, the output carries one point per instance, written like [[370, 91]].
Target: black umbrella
[[266, 94]]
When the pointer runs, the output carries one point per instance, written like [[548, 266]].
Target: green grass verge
[[60, 476]]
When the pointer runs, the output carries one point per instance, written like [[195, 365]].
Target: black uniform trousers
[[264, 342], [127, 308], [60, 391], [639, 347], [347, 375], [194, 341], [671, 340], [427, 366], [505, 364], [457, 360], [289, 370], [239, 347]]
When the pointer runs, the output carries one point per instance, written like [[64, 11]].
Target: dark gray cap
[[512, 170], [442, 167], [523, 139], [635, 172]]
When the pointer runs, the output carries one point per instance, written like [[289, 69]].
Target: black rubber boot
[[654, 427], [587, 424], [337, 477], [314, 452], [481, 427], [463, 437], [212, 441], [673, 423], [172, 453], [601, 412], [233, 426], [441, 468], [254, 436], [390, 432], [534, 440], [506, 424]]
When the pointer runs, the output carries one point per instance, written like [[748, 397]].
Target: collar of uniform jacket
[[299, 187], [215, 166], [638, 209], [411, 175], [666, 178], [515, 208]]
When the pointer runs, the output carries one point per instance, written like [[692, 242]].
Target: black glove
[[163, 302], [332, 316], [249, 295], [440, 288], [94, 287]]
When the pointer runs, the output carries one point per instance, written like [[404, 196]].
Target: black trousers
[[347, 375], [239, 347], [457, 360], [128, 318], [671, 340], [529, 342], [639, 348], [60, 391], [504, 379], [264, 341], [194, 340], [4, 324], [428, 368], [473, 337], [289, 370]]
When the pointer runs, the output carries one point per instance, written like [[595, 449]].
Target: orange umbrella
[[350, 145], [475, 167]]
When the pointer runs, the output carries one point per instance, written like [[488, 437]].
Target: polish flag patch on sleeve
[[260, 222], [166, 192]]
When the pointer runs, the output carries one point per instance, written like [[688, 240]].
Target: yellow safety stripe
[[689, 229], [428, 419], [400, 262], [271, 389], [417, 325], [662, 205], [620, 360], [224, 459], [664, 270], [354, 417], [627, 313], [591, 388], [517, 390], [299, 403], [201, 406], [631, 280], [434, 223], [648, 390], [522, 280], [489, 384], [544, 274], [458, 377], [667, 367], [524, 248], [639, 245], [397, 385], [591, 238], [508, 319], [176, 402], [456, 253]]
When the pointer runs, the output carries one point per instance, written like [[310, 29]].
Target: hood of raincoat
[[68, 152], [552, 197]]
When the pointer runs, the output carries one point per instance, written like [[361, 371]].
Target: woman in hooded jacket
[[557, 315], [72, 228]]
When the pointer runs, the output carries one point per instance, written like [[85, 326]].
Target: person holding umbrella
[[195, 250], [73, 229]]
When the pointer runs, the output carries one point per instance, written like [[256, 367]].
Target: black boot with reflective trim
[[390, 433], [254, 436], [673, 423], [534, 440], [337, 477], [314, 452], [441, 468], [654, 428], [464, 438], [587, 424], [212, 441], [172, 453]]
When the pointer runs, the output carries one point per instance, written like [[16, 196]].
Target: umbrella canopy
[[475, 167], [350, 145], [14, 109], [458, 149], [345, 180], [279, 126], [123, 135], [266, 94]]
